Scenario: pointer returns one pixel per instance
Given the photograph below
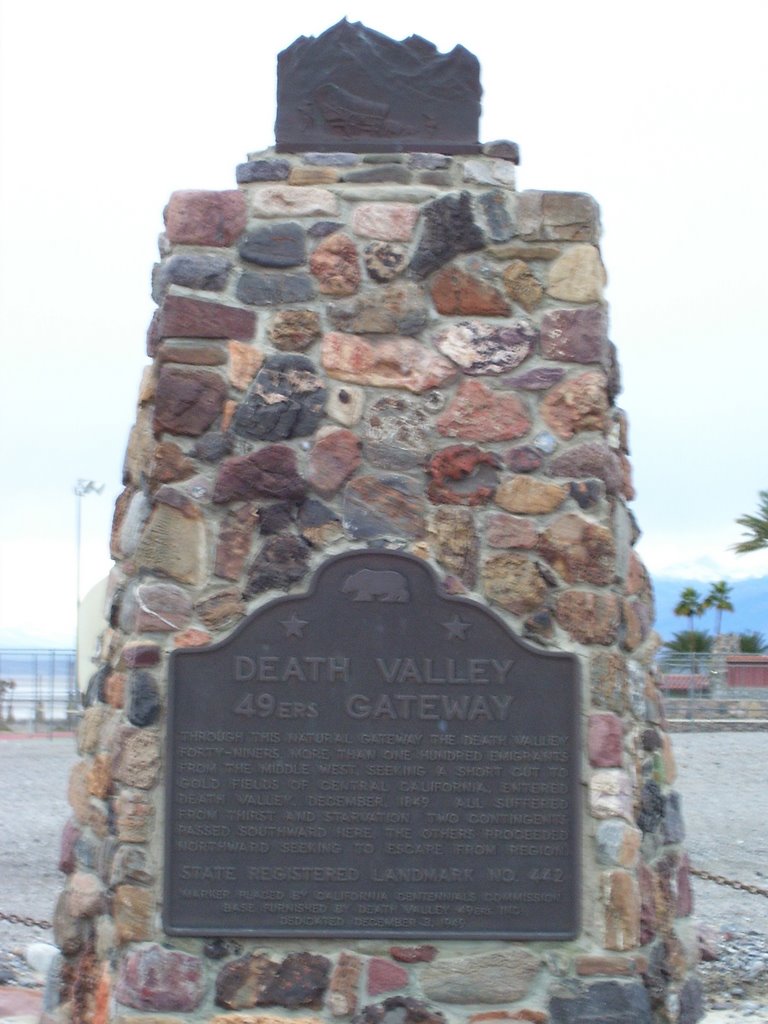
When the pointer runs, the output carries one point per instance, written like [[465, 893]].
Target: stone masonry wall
[[397, 351]]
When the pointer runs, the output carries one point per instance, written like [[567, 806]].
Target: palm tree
[[719, 598], [756, 528], [752, 643], [691, 607]]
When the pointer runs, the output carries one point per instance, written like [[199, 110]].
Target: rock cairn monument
[[375, 736]]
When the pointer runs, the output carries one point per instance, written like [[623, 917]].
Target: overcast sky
[[657, 109]]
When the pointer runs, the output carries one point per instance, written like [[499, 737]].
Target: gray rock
[[275, 245], [258, 289]]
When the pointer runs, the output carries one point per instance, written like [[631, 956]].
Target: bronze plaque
[[373, 759]]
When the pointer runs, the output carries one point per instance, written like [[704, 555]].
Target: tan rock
[[579, 550], [622, 910], [389, 362], [141, 442], [137, 757], [133, 817], [522, 285], [173, 545], [341, 999], [609, 966], [590, 618], [133, 908], [501, 976], [528, 496], [578, 275], [84, 894], [251, 1018], [517, 251], [455, 542], [244, 363], [100, 776], [388, 222], [293, 201], [335, 265], [78, 793], [345, 404], [313, 176], [293, 330], [610, 794], [579, 403], [514, 582]]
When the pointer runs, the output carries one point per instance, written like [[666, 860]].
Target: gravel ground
[[723, 778]]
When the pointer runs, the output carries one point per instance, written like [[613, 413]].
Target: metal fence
[[38, 689]]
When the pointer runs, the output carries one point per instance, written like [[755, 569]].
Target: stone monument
[[376, 736]]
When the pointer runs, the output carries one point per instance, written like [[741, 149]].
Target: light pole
[[82, 487]]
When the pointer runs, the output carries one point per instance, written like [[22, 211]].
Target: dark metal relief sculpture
[[357, 90]]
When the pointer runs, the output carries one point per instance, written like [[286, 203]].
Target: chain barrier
[[29, 922], [755, 890]]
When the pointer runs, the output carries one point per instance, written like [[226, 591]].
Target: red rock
[[155, 608], [413, 954], [182, 316], [478, 413], [590, 618], [389, 222], [524, 459], [457, 293], [386, 506], [235, 537], [268, 472], [140, 654], [684, 902], [648, 884], [503, 531], [192, 638], [579, 403], [575, 335], [389, 362], [153, 978], [241, 983], [592, 459], [384, 976], [205, 218], [188, 401], [605, 738], [332, 461], [169, 464], [335, 265], [69, 837], [462, 475]]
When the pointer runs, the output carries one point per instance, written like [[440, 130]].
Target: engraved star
[[293, 626], [457, 628]]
